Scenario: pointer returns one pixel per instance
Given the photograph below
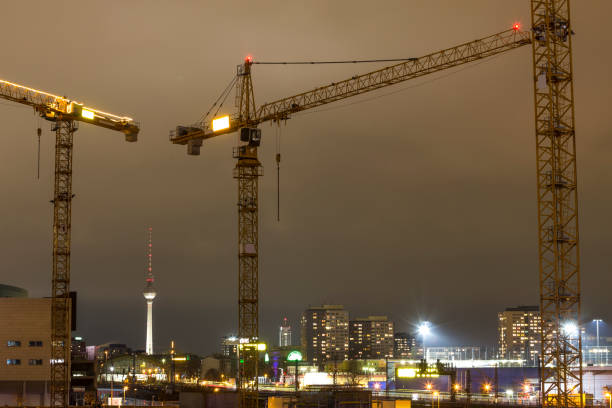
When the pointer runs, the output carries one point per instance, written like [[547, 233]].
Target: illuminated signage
[[406, 372], [294, 356]]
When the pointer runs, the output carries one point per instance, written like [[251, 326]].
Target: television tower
[[149, 291]]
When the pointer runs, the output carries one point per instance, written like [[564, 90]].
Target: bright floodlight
[[220, 123], [424, 329], [87, 114], [569, 328]]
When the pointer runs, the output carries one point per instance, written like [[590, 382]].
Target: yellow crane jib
[[54, 107], [281, 109]]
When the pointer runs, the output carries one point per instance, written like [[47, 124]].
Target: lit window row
[[31, 343]]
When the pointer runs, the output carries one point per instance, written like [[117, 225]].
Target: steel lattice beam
[[561, 359], [247, 172], [429, 64], [60, 314]]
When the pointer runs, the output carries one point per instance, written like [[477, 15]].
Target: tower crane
[[248, 167], [65, 115], [558, 244]]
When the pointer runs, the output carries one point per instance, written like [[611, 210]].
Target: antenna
[[150, 277]]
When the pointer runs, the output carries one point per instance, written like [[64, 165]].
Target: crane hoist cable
[[278, 159], [223, 95], [38, 133]]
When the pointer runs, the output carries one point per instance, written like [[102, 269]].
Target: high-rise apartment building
[[519, 333], [404, 345], [325, 333], [284, 334], [370, 338]]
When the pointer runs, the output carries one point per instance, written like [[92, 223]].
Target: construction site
[[237, 117]]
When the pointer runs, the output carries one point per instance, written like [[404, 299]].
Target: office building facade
[[25, 351], [284, 334], [404, 345]]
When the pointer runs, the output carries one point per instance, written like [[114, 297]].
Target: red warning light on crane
[[249, 58], [516, 26]]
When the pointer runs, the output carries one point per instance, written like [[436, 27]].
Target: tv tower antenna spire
[[149, 291]]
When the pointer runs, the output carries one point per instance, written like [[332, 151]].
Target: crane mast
[[60, 304], [559, 257], [65, 115], [247, 172]]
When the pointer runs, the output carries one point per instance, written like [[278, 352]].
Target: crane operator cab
[[252, 136]]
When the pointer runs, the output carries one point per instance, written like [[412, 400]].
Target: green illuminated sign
[[294, 356]]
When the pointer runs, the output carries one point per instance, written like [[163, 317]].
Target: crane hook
[[38, 132]]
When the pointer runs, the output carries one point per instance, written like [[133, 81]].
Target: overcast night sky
[[417, 205]]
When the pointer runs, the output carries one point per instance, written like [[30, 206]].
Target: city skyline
[[445, 212]]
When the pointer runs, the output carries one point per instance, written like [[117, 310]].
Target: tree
[[212, 374], [354, 372]]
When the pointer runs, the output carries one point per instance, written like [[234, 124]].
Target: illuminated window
[[14, 343], [13, 361]]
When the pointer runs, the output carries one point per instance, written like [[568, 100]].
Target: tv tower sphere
[[149, 292]]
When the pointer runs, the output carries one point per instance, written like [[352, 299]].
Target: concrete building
[[519, 333], [325, 333], [404, 345], [284, 334], [83, 384], [25, 351], [229, 346], [371, 338]]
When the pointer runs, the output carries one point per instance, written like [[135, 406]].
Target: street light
[[597, 321], [570, 328], [112, 382], [437, 395], [124, 390], [429, 387], [295, 356], [609, 396], [424, 329]]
